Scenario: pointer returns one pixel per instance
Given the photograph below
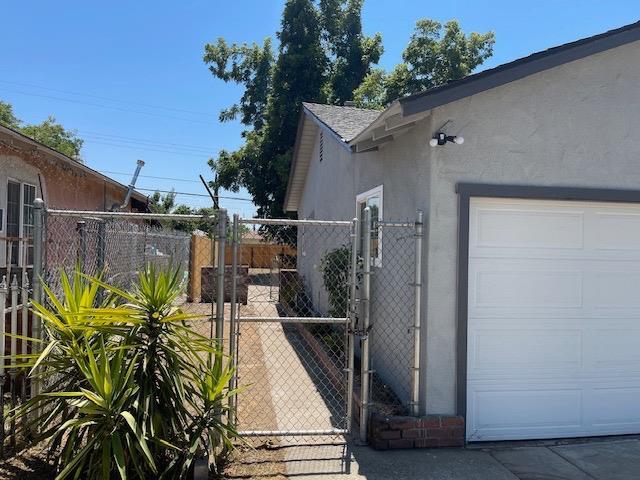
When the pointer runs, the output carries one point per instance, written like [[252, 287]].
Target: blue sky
[[129, 76]]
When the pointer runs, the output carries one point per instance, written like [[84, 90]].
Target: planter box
[[209, 278]]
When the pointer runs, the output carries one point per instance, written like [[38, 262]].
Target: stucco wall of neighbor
[[574, 125], [14, 168], [64, 186]]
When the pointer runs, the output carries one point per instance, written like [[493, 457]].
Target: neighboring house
[[28, 170], [531, 266]]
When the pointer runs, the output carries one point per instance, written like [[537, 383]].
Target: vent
[[321, 148]]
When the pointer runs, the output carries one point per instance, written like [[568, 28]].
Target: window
[[20, 198], [373, 200], [321, 147]]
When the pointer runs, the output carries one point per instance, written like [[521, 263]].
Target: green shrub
[[335, 266], [129, 389]]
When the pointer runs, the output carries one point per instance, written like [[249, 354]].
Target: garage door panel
[[513, 227], [615, 231], [618, 405], [618, 348], [514, 412], [530, 289], [490, 349], [553, 339], [617, 289]]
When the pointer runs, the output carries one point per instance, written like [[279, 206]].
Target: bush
[[335, 266], [130, 390]]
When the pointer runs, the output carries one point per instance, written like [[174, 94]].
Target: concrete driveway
[[590, 459]]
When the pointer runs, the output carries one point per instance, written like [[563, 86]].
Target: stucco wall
[[574, 125], [64, 187]]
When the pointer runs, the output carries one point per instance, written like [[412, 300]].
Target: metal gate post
[[102, 245], [38, 272], [233, 323], [417, 285], [81, 228], [353, 318], [222, 240], [365, 367]]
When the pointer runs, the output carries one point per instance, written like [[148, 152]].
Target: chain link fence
[[292, 287], [292, 310], [392, 320]]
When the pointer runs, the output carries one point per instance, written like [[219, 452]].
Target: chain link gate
[[291, 335]]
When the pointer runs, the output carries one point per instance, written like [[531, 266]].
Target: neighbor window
[[19, 232], [373, 200]]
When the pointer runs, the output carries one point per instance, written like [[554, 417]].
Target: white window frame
[[22, 184], [362, 198]]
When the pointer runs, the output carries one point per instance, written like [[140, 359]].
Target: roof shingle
[[346, 122]]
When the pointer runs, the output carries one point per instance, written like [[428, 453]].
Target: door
[[553, 319]]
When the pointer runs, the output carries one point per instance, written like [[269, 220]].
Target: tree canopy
[[322, 56], [436, 54], [159, 203], [48, 132]]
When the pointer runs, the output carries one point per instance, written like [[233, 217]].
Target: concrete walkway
[[596, 459]]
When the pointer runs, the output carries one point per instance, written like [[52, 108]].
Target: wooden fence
[[254, 255]]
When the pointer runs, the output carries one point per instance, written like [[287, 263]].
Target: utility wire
[[132, 143], [127, 102], [105, 106], [192, 194], [142, 140], [131, 147], [152, 176]]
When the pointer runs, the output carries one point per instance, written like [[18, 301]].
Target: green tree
[[351, 53], [54, 135], [7, 117], [436, 54], [165, 204], [322, 56], [159, 203], [49, 132]]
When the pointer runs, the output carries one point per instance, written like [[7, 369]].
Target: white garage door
[[554, 319]]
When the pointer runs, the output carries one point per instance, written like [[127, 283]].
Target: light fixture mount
[[441, 138]]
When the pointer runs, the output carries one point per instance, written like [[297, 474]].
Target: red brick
[[430, 421], [389, 434], [426, 443], [452, 421], [435, 432], [453, 432], [414, 433], [400, 443], [401, 423]]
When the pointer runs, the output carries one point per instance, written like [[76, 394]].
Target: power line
[[154, 177], [141, 140], [105, 106], [128, 102], [132, 147], [193, 194]]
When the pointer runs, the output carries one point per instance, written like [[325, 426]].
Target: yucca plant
[[130, 390]]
